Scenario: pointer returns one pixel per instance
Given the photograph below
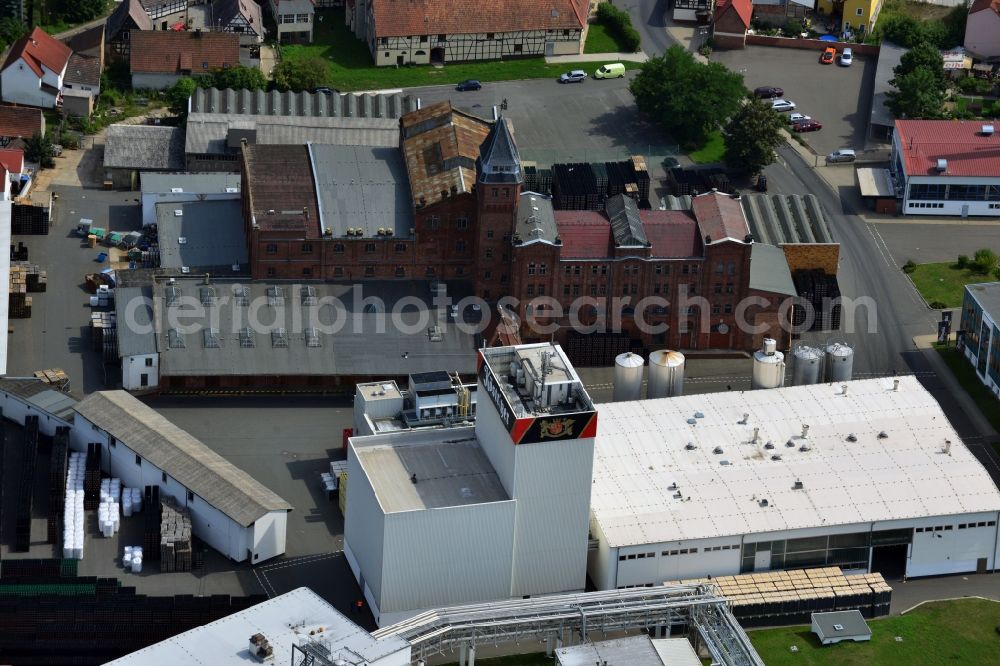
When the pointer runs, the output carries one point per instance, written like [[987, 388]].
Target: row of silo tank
[[666, 375], [811, 365]]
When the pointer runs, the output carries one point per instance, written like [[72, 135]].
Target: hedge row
[[619, 25]]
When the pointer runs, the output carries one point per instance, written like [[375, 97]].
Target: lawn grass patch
[[712, 151], [599, 40], [350, 64], [944, 282], [945, 632], [966, 376]]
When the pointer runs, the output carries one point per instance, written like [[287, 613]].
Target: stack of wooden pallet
[[55, 377], [19, 303], [175, 537]]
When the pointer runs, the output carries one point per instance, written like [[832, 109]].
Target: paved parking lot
[[590, 121], [926, 243], [838, 97]]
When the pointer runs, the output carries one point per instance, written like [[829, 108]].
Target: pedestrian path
[[597, 57]]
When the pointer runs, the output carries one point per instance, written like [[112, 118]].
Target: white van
[[611, 71]]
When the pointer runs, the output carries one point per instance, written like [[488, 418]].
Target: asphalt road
[[649, 18], [593, 121]]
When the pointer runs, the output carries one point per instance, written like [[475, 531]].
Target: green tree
[[688, 98], [917, 96], [304, 74], [237, 78], [76, 11], [178, 94], [922, 56], [752, 134], [985, 261], [39, 149], [11, 30]]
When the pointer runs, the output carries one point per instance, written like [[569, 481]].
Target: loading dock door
[[890, 561], [762, 560]]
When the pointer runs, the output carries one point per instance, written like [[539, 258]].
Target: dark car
[[324, 90], [765, 92], [471, 84], [807, 126]]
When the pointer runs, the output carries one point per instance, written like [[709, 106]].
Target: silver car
[[576, 76], [782, 105]]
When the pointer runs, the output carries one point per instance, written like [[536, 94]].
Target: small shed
[[840, 626]]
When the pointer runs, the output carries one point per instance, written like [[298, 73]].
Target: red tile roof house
[[982, 29], [401, 32], [947, 167], [11, 167], [159, 59], [18, 123], [33, 72], [732, 20]]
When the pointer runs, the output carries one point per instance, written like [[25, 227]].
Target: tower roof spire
[[499, 161]]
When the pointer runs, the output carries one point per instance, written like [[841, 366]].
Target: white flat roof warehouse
[[643, 448]]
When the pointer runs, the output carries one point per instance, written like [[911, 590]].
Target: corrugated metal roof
[[350, 342], [144, 147], [195, 466], [134, 318], [388, 106], [361, 187], [209, 133], [769, 270], [777, 219], [282, 620], [641, 450], [212, 232], [625, 222], [962, 143], [40, 394], [889, 57], [535, 219], [720, 217]]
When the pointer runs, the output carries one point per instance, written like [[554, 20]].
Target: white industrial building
[[21, 397], [866, 475], [292, 626], [981, 328], [946, 167], [158, 188], [430, 400], [230, 511], [137, 349], [438, 517]]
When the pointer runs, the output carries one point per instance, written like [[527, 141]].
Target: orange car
[[828, 55]]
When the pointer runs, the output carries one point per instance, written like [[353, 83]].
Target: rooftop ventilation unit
[[690, 446], [178, 212], [852, 437], [988, 130], [776, 456], [769, 446], [763, 503], [717, 450], [942, 165], [797, 485], [883, 435], [176, 190]]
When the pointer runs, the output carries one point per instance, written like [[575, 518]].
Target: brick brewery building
[[450, 204]]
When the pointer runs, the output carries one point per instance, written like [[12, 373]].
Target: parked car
[[842, 155], [768, 92], [576, 76], [471, 84], [807, 126], [798, 118], [324, 90], [846, 57], [614, 70], [782, 105], [828, 55]]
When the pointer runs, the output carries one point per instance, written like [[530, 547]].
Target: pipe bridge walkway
[[549, 618]]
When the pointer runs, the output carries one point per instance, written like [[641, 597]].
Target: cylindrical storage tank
[[839, 361], [768, 367], [666, 374], [807, 365], [628, 377]]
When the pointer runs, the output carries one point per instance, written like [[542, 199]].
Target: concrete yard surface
[[838, 97]]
